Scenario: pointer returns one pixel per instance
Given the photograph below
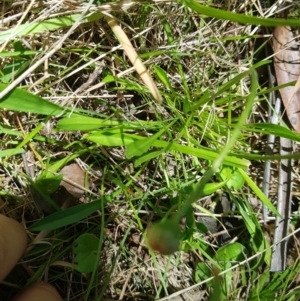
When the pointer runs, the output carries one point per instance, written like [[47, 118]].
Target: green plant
[[151, 164]]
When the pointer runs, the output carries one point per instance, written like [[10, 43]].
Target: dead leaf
[[73, 180], [287, 68]]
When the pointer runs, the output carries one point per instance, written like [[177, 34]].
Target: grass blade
[[66, 217], [118, 138], [23, 101], [46, 25], [258, 192], [239, 18], [10, 151]]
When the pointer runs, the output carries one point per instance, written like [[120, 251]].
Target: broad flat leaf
[[41, 198], [226, 256], [139, 147], [22, 101], [66, 217], [231, 252], [287, 69], [47, 182], [86, 252], [258, 240], [233, 177]]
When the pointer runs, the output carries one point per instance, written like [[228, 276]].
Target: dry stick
[[274, 114], [134, 58], [278, 262], [284, 37], [56, 47]]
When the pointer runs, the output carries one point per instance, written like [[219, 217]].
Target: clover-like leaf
[[86, 253], [233, 177]]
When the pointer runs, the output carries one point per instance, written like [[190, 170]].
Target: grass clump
[[162, 148]]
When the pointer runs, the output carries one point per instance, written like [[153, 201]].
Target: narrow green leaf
[[66, 217], [108, 79], [118, 138], [239, 18], [18, 53], [208, 96], [207, 189], [28, 138], [10, 151], [258, 192], [111, 138], [46, 25], [202, 272], [13, 69], [273, 129], [161, 73], [22, 101], [5, 129], [147, 157], [62, 162], [85, 123], [139, 147], [257, 238]]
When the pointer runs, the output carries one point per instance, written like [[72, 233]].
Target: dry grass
[[71, 73]]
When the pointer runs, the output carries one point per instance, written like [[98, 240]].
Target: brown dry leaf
[[73, 180], [287, 68]]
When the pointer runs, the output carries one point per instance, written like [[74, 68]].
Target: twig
[[278, 262], [136, 61], [274, 114]]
